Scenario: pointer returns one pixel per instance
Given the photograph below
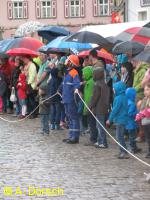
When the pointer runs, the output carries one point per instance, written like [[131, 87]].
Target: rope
[[140, 160], [20, 120]]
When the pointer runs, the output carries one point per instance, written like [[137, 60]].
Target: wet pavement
[[33, 165]]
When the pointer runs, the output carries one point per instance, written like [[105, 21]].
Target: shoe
[[57, 127], [136, 150], [52, 126], [65, 140], [101, 146], [72, 141], [139, 139], [96, 144], [147, 155], [21, 117], [123, 156]]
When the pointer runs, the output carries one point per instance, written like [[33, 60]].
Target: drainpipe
[[126, 10]]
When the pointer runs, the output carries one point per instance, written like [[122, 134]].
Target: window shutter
[[82, 10], [54, 9], [66, 8], [38, 9], [25, 9], [95, 10], [10, 9]]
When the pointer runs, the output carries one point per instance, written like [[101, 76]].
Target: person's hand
[[108, 123], [19, 84], [76, 91]]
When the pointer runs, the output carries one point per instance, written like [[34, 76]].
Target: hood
[[54, 72], [87, 73], [119, 88], [22, 77], [131, 94], [122, 58], [143, 66], [98, 74]]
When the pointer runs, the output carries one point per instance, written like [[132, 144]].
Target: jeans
[[132, 139], [93, 129], [101, 132], [146, 129], [55, 112], [32, 104], [44, 123], [63, 115], [18, 106], [120, 129], [74, 124]]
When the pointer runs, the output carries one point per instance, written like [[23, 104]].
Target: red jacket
[[22, 86]]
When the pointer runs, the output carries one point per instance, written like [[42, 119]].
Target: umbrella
[[143, 35], [127, 35], [147, 25], [60, 43], [102, 53], [130, 47], [22, 42], [88, 37], [51, 32], [143, 56], [22, 52]]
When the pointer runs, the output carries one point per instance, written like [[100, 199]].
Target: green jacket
[[138, 77], [88, 88]]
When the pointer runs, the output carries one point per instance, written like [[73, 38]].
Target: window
[[103, 7], [46, 9], [145, 2], [142, 16], [74, 8], [17, 10]]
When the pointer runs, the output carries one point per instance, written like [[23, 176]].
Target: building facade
[[134, 10], [69, 13]]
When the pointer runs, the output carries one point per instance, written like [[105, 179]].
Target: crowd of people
[[116, 93]]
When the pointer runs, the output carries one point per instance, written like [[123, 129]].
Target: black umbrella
[[130, 47], [88, 37], [143, 56], [51, 32]]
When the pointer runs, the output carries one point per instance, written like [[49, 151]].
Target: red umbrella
[[22, 52], [102, 53]]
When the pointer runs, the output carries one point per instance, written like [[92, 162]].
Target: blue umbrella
[[51, 32], [59, 43]]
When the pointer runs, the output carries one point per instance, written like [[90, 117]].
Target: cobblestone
[[28, 158]]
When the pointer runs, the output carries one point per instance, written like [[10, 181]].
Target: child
[[100, 104], [44, 111], [119, 115], [144, 116], [22, 87], [131, 126]]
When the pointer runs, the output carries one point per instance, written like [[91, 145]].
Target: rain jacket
[[88, 88], [23, 87], [138, 77], [100, 98], [70, 83], [132, 110], [119, 113]]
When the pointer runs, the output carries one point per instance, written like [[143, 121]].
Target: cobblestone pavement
[[28, 158]]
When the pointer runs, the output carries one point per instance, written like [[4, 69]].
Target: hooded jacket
[[132, 110], [88, 88], [138, 77], [100, 97], [119, 113], [23, 87]]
